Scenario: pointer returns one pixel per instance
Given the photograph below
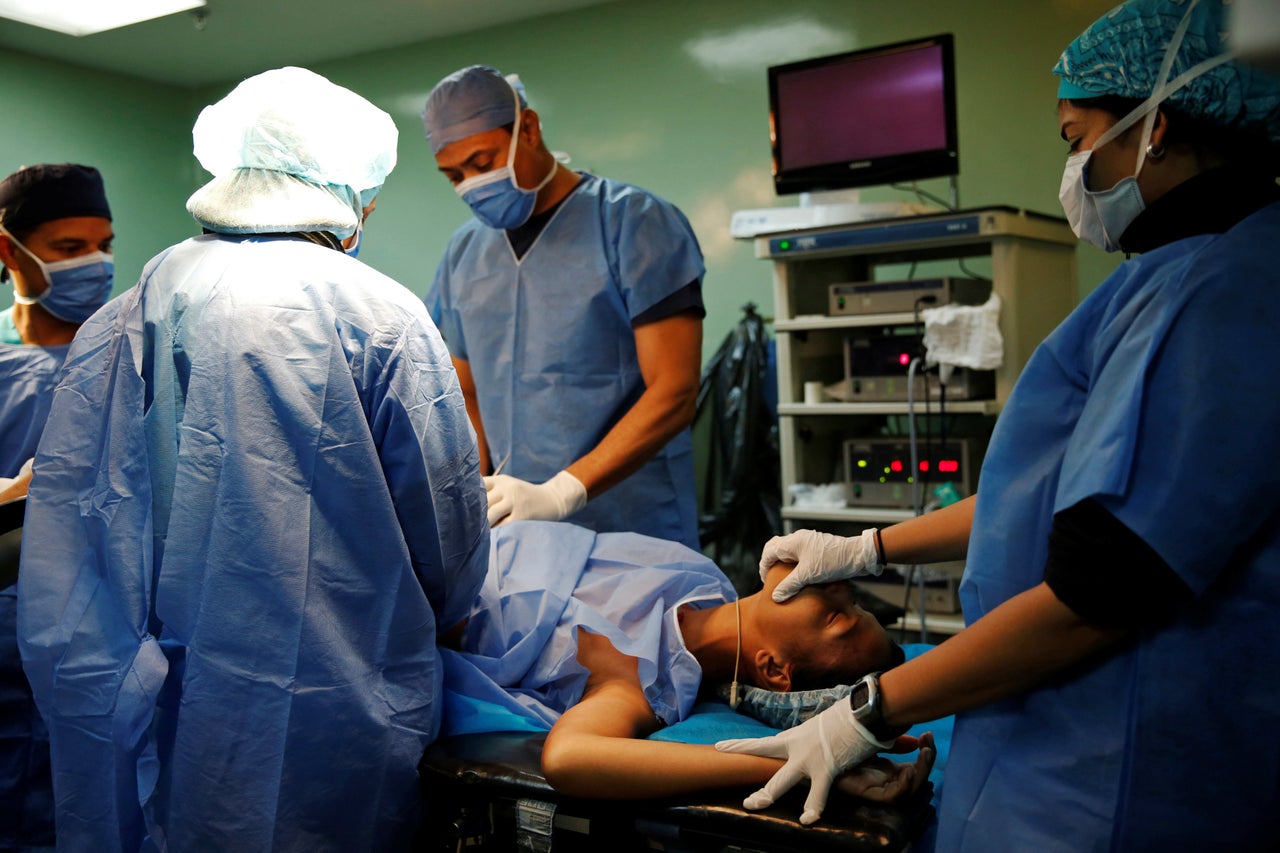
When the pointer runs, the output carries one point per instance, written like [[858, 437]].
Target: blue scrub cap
[[470, 101], [290, 151], [1121, 55]]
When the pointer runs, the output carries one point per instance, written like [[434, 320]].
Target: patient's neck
[[711, 635]]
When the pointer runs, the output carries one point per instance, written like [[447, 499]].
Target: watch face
[[860, 697]]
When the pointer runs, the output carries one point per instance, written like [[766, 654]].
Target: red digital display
[[895, 466], [924, 464], [948, 466]]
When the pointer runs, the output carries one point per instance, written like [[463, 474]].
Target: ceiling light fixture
[[85, 17]]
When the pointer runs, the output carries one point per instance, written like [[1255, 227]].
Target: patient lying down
[[609, 637]]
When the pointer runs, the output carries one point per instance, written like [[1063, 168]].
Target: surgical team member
[[572, 306], [1117, 676], [256, 503], [55, 245]]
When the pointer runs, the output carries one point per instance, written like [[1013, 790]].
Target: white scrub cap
[[290, 151]]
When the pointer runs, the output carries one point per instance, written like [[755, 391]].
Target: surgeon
[[1116, 678], [55, 245], [572, 307], [256, 503]]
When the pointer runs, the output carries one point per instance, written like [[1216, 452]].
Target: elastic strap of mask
[[511, 154], [1146, 111], [20, 298]]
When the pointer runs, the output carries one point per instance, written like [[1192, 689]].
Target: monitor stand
[[818, 210]]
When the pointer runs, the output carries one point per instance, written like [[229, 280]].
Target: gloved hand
[[819, 558], [512, 499], [821, 748]]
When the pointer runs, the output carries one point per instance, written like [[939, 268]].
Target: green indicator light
[[883, 480], [784, 245], [862, 463], [888, 470]]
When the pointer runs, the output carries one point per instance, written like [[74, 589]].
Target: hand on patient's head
[[819, 558]]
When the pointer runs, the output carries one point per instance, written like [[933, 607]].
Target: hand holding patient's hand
[[819, 749], [884, 781]]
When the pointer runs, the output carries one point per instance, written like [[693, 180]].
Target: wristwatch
[[868, 709]]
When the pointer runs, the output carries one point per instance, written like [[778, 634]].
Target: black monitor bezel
[[854, 174]]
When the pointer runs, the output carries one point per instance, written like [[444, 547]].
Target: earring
[[1154, 153]]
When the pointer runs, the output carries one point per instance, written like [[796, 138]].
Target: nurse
[[572, 307], [55, 245], [255, 505], [1116, 678]]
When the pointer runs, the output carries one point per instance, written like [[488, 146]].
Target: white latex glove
[[819, 558], [819, 749], [512, 499]]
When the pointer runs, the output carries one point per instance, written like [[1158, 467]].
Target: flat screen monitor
[[867, 117]]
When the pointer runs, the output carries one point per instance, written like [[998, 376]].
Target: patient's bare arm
[[595, 749]]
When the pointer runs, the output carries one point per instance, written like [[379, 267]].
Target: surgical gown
[[28, 375], [550, 343], [1156, 398], [548, 579], [256, 502]]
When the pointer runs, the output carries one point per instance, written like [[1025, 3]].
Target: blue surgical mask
[[495, 198], [75, 288], [1098, 218]]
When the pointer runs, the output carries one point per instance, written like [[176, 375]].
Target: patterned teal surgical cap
[[1121, 54]]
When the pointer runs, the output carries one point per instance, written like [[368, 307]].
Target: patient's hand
[[884, 781]]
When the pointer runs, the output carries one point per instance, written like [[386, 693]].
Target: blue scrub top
[[256, 501], [1156, 397], [550, 343], [28, 375]]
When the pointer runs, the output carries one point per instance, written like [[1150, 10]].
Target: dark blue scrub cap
[[34, 195], [470, 101]]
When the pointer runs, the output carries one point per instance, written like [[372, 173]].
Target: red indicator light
[[904, 359], [948, 466], [896, 466], [924, 465]]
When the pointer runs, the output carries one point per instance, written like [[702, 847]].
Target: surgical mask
[[1098, 218], [1101, 217], [75, 288], [494, 197]]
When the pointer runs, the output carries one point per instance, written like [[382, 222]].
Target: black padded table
[[486, 792]]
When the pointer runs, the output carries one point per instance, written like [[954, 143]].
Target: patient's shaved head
[[824, 635]]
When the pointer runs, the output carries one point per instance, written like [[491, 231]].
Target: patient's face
[[830, 638]]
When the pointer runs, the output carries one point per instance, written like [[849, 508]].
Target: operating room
[[673, 97]]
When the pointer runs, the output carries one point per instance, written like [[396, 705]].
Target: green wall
[[666, 94], [136, 133]]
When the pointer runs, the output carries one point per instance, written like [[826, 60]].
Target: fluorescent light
[[85, 17]]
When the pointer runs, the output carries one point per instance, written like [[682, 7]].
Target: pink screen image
[[872, 107]]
